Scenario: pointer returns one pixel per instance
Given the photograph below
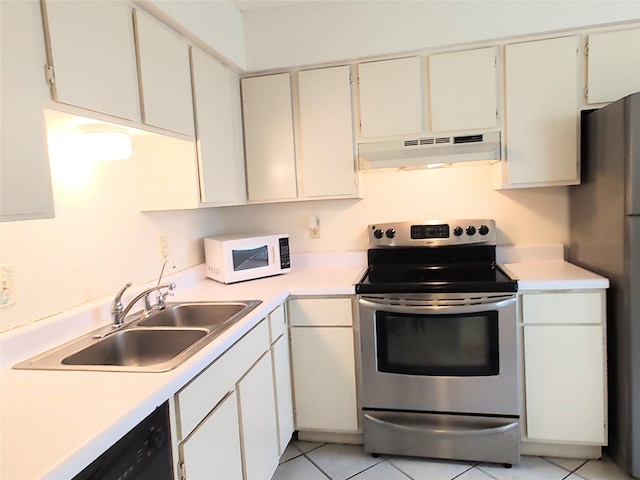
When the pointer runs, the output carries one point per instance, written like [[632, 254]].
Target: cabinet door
[[542, 113], [212, 451], [613, 65], [165, 77], [391, 100], [324, 378], [167, 174], [92, 50], [25, 189], [463, 90], [564, 383], [284, 400], [216, 91], [258, 421], [326, 132], [268, 131], [326, 312]]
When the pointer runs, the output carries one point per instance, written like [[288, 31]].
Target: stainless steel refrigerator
[[605, 238]]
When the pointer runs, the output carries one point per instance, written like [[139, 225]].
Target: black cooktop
[[449, 269]]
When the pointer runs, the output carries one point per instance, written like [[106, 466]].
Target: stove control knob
[[457, 231], [483, 230], [391, 233], [378, 233], [471, 230]]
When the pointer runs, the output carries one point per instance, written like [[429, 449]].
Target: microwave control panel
[[285, 259]]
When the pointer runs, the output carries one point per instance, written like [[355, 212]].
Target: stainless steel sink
[[137, 347], [156, 343], [211, 315]]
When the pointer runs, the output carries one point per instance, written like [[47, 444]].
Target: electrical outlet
[[7, 291], [164, 246]]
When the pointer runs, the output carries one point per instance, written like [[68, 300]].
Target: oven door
[[440, 353]]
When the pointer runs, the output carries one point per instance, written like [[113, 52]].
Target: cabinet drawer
[[328, 312], [277, 323], [567, 308], [204, 392]]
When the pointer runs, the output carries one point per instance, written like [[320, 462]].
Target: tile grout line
[[403, 473]]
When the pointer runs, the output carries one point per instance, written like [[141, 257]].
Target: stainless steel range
[[439, 343]]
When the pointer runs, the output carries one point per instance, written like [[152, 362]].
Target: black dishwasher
[[142, 454]]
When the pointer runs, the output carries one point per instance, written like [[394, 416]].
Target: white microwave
[[235, 258]]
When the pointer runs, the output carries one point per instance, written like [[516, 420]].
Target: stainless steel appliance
[[605, 238], [439, 343], [142, 454]]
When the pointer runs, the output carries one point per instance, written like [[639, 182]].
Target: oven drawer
[[460, 437]]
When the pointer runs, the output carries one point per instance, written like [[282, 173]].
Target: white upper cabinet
[[326, 132], [269, 144], [391, 99], [463, 90], [613, 65], [216, 92], [167, 174], [165, 76], [25, 188], [92, 53], [541, 113]]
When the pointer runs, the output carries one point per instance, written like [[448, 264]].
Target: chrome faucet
[[160, 296], [118, 313]]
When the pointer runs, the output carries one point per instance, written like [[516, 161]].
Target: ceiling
[[253, 5]]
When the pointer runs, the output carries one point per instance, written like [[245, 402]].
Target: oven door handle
[[448, 432], [453, 309]]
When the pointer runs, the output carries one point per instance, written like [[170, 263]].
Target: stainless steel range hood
[[429, 150]]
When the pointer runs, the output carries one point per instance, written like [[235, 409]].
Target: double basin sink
[[155, 343]]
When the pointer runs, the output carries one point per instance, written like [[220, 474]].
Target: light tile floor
[[318, 461]]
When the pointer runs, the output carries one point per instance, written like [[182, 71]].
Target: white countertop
[[54, 423], [553, 275], [542, 267]]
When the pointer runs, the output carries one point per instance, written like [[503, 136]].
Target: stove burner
[[454, 264]]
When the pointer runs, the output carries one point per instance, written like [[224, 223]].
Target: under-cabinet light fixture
[[105, 142]]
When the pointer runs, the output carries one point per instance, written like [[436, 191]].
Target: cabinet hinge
[[182, 471], [49, 74], [495, 62], [586, 92], [350, 79], [586, 49], [361, 125], [496, 113]]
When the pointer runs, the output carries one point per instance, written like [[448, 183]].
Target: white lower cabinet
[[281, 360], [212, 451], [564, 367], [258, 421], [225, 418], [323, 360]]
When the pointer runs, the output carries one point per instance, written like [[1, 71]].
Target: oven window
[[448, 344], [251, 258]]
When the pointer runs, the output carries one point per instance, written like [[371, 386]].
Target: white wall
[[314, 32], [213, 23], [524, 216], [98, 240]]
